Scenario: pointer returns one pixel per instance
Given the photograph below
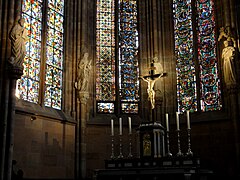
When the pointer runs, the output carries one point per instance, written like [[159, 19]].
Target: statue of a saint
[[228, 56], [18, 37], [84, 68]]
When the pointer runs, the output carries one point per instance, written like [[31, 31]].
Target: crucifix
[[151, 79]]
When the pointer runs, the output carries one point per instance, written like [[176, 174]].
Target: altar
[[152, 161], [185, 168]]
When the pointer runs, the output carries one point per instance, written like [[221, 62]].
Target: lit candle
[[130, 125], [177, 120], [112, 128], [167, 126], [188, 120], [120, 126]]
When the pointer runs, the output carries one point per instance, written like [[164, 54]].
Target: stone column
[[155, 143], [159, 144], [83, 99], [227, 16], [15, 72], [234, 114]]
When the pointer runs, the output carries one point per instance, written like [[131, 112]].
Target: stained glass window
[[196, 64], [54, 54], [117, 70], [43, 63]]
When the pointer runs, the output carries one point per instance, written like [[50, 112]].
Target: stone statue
[[228, 56], [18, 37], [84, 68]]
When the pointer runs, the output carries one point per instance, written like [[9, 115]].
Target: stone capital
[[15, 72]]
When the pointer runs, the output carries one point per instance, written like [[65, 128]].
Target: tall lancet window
[[195, 51], [117, 84], [42, 78]]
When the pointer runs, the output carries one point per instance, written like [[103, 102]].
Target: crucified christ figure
[[151, 93]]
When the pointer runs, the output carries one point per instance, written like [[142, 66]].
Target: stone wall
[[44, 148]]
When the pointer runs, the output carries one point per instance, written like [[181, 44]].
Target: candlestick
[[189, 153], [169, 154], [130, 146], [167, 125], [112, 127], [120, 147], [130, 125], [177, 120], [188, 120], [179, 144], [120, 126], [112, 155]]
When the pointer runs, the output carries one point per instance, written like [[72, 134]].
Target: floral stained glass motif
[[187, 74]]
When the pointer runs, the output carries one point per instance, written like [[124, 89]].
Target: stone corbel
[[83, 96]]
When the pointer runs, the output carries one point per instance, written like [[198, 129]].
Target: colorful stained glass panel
[[209, 78], [128, 51], [54, 54], [185, 67], [105, 108], [28, 86], [210, 94], [105, 64]]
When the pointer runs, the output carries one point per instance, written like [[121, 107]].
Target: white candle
[[167, 126], [120, 126], [112, 127], [177, 120], [188, 120], [130, 125]]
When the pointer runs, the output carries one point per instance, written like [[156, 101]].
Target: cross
[[151, 79]]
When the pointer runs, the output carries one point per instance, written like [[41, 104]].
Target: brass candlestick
[[169, 154], [130, 146], [179, 154], [189, 152], [120, 147], [112, 154]]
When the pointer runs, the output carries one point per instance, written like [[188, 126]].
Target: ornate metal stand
[[179, 154], [112, 155], [189, 152], [120, 147], [169, 154], [130, 146]]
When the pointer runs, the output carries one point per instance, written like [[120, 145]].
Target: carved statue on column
[[18, 37], [83, 72], [228, 57]]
